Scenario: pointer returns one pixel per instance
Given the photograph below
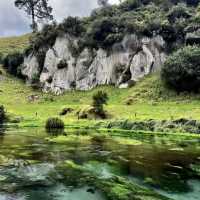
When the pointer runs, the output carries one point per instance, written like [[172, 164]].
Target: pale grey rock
[[61, 79], [127, 62], [149, 59], [30, 67]]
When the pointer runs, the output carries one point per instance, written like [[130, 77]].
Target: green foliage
[[10, 45], [109, 24], [72, 25], [181, 71], [45, 38], [177, 12], [12, 63], [103, 33], [35, 79], [99, 100], [54, 123], [196, 17]]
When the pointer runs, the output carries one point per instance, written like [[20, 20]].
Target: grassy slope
[[150, 100], [12, 44]]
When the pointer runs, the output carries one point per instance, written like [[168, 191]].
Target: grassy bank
[[13, 44], [147, 102]]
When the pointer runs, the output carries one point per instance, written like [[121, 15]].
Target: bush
[[12, 63], [179, 11], [181, 71], [104, 32], [54, 124], [2, 114], [35, 81], [99, 100], [72, 26]]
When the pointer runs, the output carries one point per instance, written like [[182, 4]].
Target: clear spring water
[[169, 165]]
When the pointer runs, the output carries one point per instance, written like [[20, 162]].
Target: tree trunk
[[34, 24]]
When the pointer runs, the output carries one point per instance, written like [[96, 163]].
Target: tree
[[37, 9], [181, 70]]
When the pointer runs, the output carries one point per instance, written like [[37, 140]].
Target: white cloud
[[15, 22]]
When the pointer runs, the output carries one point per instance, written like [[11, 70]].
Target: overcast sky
[[15, 22]]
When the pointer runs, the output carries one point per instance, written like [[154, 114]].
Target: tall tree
[[37, 9]]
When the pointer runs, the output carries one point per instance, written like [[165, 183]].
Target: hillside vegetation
[[13, 44]]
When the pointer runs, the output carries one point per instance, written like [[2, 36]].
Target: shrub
[[104, 32], [181, 71], [99, 100], [12, 63], [54, 123], [179, 11], [2, 114], [35, 81], [72, 26]]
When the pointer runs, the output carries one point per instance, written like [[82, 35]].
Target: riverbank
[[129, 109]]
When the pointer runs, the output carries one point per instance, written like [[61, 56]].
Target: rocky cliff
[[124, 64]]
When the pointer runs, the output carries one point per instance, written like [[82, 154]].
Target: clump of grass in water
[[54, 125]]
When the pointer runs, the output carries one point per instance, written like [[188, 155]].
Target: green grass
[[13, 44], [148, 102]]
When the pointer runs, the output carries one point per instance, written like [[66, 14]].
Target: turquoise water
[[29, 158]]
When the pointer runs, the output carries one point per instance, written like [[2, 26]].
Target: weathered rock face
[[31, 67], [127, 62]]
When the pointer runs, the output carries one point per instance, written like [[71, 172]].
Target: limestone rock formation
[[31, 67], [125, 63]]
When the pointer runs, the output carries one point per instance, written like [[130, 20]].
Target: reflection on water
[[169, 165]]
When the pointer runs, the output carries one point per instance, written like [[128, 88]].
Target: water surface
[[169, 165]]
